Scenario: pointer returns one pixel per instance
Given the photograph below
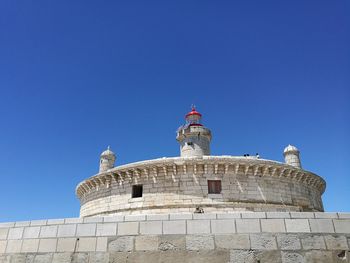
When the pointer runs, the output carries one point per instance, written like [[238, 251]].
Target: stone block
[[204, 216], [313, 242], [344, 215], [118, 257], [321, 225], [128, 228], [74, 220], [335, 242], [48, 231], [272, 225], [14, 246], [134, 218], [7, 224], [146, 243], [198, 227], [43, 258], [151, 227], [99, 258], [86, 244], [67, 244], [101, 244], [288, 242], [223, 226], [180, 216], [116, 218], [66, 230], [38, 222], [199, 242], [302, 215], [62, 258], [228, 215], [172, 242], [47, 245], [30, 246], [236, 241], [157, 217], [253, 215], [3, 233], [80, 258], [121, 244], [174, 227], [15, 233], [248, 225], [263, 241], [3, 244], [297, 225], [22, 223], [341, 226], [325, 215], [55, 221], [106, 229], [93, 219], [292, 257], [277, 215], [244, 256], [85, 230], [31, 232], [318, 256]]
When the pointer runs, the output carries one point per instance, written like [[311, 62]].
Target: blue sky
[[76, 76]]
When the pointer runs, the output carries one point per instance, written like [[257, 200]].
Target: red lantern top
[[193, 117]]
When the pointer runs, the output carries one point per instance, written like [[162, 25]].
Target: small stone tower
[[291, 156], [107, 160], [193, 137]]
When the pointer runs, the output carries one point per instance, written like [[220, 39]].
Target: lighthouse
[[193, 137]]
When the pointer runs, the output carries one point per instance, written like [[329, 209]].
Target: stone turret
[[107, 160], [291, 156], [193, 137]]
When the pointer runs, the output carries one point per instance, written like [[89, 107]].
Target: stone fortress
[[192, 208], [197, 180]]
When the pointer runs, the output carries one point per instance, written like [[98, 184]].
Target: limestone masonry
[[198, 181], [192, 208]]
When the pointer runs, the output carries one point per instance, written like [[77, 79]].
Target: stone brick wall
[[222, 237], [175, 185]]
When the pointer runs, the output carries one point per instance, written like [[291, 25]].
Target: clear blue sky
[[76, 76]]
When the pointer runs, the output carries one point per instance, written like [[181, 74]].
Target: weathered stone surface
[[272, 256], [313, 242], [172, 242], [128, 228], [121, 244], [101, 244], [146, 243], [15, 233], [86, 230], [288, 242], [31, 232], [66, 230], [198, 227], [30, 245], [47, 245], [151, 227], [236, 241], [99, 257], [263, 241], [335, 242], [80, 258], [14, 246], [199, 242], [242, 256], [3, 244], [43, 258], [297, 225], [106, 229], [292, 257], [48, 231], [62, 258], [342, 226], [3, 233], [318, 256]]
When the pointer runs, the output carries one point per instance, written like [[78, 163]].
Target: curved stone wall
[[181, 184]]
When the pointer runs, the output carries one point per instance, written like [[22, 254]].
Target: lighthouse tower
[[193, 137]]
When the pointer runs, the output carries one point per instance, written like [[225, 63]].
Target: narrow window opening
[[136, 191], [190, 143], [214, 186]]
